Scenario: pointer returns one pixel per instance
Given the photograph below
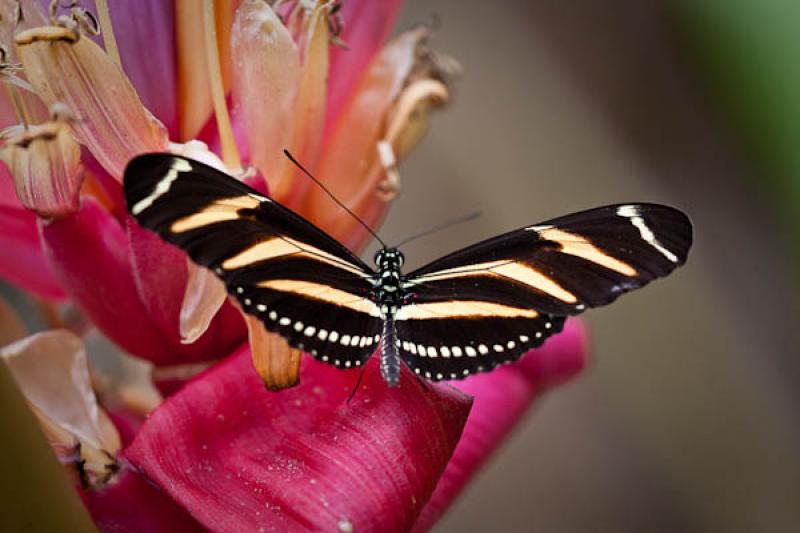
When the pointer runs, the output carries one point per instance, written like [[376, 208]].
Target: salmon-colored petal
[[309, 115], [203, 298], [266, 70], [144, 31], [52, 371], [241, 458], [109, 117], [502, 398], [45, 162], [367, 25], [277, 363], [22, 261]]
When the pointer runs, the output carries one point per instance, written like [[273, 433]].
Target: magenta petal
[[501, 398], [8, 194], [160, 272], [367, 25], [22, 260], [132, 504], [89, 252], [240, 458]]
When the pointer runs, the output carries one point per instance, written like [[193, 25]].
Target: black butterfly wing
[[491, 302], [300, 282]]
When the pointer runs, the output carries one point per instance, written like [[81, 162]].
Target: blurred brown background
[[685, 419]]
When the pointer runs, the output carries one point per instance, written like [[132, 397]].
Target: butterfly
[[464, 313]]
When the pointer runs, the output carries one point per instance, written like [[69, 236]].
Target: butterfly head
[[389, 259]]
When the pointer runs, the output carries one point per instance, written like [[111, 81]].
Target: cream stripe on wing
[[578, 246], [633, 213], [218, 211], [325, 293], [462, 309], [163, 186], [508, 269], [281, 246]]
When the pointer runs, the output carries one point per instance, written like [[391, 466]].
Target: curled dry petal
[[350, 148], [110, 120], [379, 114], [52, 372], [277, 363], [45, 162], [240, 458], [502, 397]]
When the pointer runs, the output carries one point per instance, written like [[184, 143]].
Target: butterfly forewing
[[565, 265], [298, 280]]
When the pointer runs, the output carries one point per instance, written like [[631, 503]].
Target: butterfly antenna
[[444, 225], [324, 188]]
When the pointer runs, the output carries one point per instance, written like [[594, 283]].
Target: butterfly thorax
[[387, 289], [388, 293]]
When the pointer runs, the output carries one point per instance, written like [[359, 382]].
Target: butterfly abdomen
[[390, 360]]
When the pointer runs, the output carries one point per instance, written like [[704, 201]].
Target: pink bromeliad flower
[[232, 84]]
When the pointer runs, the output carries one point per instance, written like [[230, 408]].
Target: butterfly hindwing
[[445, 348], [504, 296], [296, 279]]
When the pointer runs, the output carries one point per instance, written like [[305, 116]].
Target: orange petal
[[52, 372], [110, 120], [203, 298], [45, 163], [266, 75], [194, 85], [276, 362]]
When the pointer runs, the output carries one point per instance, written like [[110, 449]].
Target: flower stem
[[33, 483], [230, 153], [108, 31]]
